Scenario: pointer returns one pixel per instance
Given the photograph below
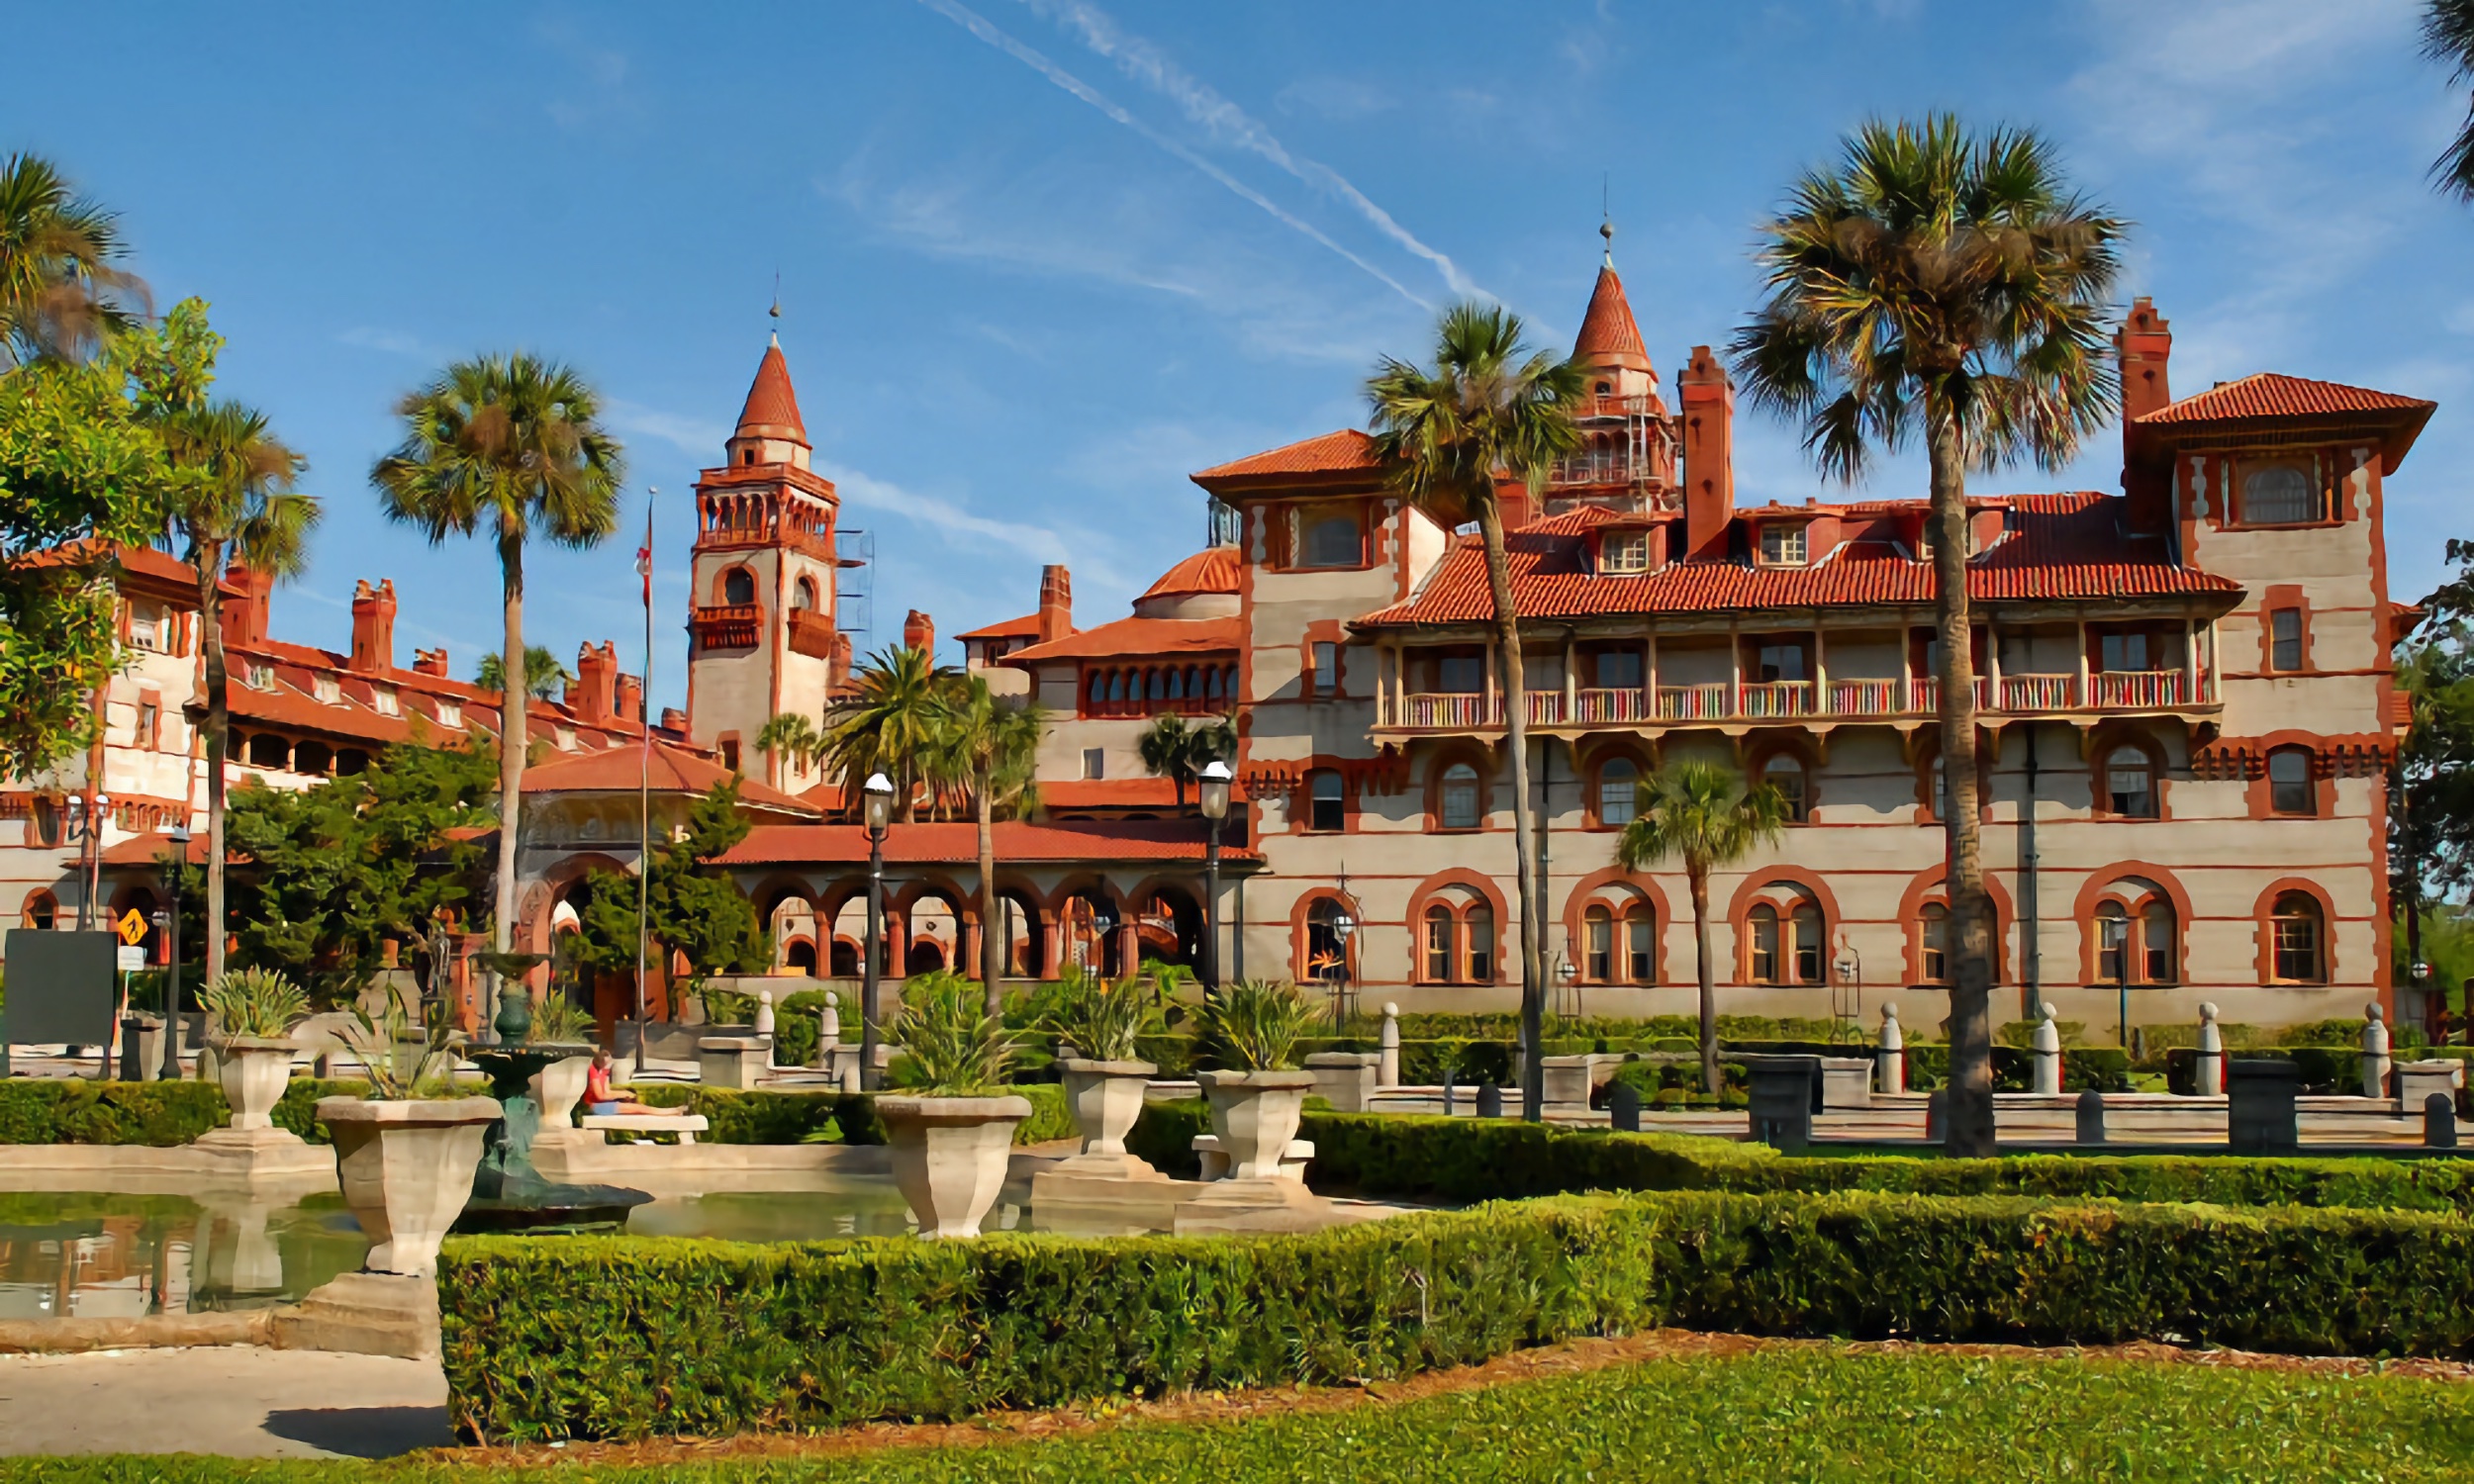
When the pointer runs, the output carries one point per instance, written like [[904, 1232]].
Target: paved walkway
[[233, 1400]]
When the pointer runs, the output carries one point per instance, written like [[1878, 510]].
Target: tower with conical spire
[[1627, 457], [761, 628]]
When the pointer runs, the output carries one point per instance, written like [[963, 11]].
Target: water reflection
[[125, 1257]]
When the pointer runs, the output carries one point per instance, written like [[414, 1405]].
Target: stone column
[[1387, 1049], [2374, 1051], [1889, 1059]]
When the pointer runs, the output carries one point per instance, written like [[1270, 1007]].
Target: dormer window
[[1625, 552], [1606, 389], [1782, 544], [258, 678], [383, 699], [2280, 495], [327, 688], [450, 713]]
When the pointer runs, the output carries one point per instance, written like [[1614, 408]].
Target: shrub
[[74, 1110], [1255, 1025], [1105, 1022], [950, 1046], [255, 1002], [769, 1116]]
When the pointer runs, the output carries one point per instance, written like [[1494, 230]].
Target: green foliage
[[561, 1019], [259, 1002], [160, 1115], [694, 908], [766, 1116], [1107, 1022], [950, 1046], [1254, 1025], [397, 1061], [544, 675]]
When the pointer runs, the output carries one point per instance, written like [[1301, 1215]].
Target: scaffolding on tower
[[852, 605]]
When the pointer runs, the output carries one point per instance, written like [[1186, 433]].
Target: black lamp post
[[1344, 927], [877, 804], [1212, 783], [172, 956]]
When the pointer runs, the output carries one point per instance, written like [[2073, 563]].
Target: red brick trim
[[1606, 885], [2101, 883], [1434, 889], [2265, 932]]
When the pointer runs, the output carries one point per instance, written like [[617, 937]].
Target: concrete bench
[[687, 1126], [1215, 1162]]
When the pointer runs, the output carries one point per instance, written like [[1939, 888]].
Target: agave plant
[[259, 1003], [951, 1046], [1105, 1021], [1255, 1025], [396, 1060], [558, 1019]]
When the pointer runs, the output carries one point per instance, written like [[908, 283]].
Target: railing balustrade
[[1546, 707], [1863, 697], [1759, 701], [2040, 692], [1762, 698], [1452, 709], [1612, 706], [1692, 702]]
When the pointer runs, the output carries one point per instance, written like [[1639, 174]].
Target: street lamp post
[[172, 956], [1214, 783], [877, 809], [1343, 927]]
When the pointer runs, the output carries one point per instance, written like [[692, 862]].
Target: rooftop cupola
[[1610, 339], [770, 430]]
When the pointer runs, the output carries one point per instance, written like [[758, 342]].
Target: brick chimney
[[673, 719], [431, 661], [837, 668], [589, 695], [244, 616], [1707, 399], [630, 698], [373, 627], [1055, 604], [2145, 344], [919, 631]]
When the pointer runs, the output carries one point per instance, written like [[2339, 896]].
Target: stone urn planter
[[556, 1089], [949, 1155], [255, 1071], [407, 1169], [1255, 1116], [1105, 1097]]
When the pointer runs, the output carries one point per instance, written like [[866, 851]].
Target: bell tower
[[761, 625]]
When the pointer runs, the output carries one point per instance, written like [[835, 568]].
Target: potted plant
[[254, 1011], [1104, 1082], [557, 1087], [951, 1132], [1257, 1094], [405, 1163]]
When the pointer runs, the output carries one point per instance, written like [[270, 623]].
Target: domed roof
[[1211, 570]]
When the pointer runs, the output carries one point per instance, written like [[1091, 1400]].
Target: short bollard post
[[2374, 1051], [1450, 1086], [829, 1031], [1935, 1116], [1623, 1108], [764, 1012], [2209, 1073], [2046, 1044], [2091, 1117], [1889, 1059], [2439, 1121], [1387, 1049], [1489, 1100]]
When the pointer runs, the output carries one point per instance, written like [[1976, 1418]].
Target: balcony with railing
[[728, 625]]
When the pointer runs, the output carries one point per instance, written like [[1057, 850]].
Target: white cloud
[[693, 434], [868, 492], [1340, 99]]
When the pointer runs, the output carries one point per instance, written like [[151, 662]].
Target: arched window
[[1459, 803], [1785, 772], [1619, 791], [1442, 945], [1459, 940], [2289, 783], [1763, 923], [1786, 946], [804, 600], [1212, 683], [1099, 689], [1597, 927], [1932, 935], [266, 750], [350, 761], [2129, 783], [1329, 802], [1333, 542], [738, 587], [1805, 923], [43, 911], [1176, 684], [2279, 495], [2136, 946], [2113, 944], [1116, 685], [1641, 944], [1326, 948], [2299, 935], [1478, 924], [312, 756], [2157, 941], [43, 822]]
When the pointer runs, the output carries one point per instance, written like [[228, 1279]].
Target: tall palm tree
[[1952, 290], [790, 736], [893, 720], [60, 291], [994, 744], [543, 673], [2448, 37], [1164, 751], [231, 497], [513, 443], [1488, 410], [1703, 814]]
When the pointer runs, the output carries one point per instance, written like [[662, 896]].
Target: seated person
[[601, 1098]]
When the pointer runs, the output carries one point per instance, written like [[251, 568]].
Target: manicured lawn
[[1785, 1414]]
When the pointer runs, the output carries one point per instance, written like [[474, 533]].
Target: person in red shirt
[[601, 1098]]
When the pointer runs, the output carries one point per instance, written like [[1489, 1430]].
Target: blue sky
[[1041, 260]]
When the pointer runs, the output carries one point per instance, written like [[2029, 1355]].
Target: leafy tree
[[1487, 410], [2448, 37], [2431, 781], [993, 745], [893, 720], [228, 494], [1703, 814], [1164, 751], [514, 444], [544, 675], [61, 291], [691, 909], [1948, 289], [792, 737]]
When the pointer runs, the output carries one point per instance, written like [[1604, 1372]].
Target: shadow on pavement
[[364, 1432]]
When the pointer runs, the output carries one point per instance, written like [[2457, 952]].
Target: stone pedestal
[[2260, 1107], [1889, 1056], [737, 1061], [1255, 1116], [1347, 1080], [2417, 1081], [254, 1074], [1845, 1082], [556, 1089], [1106, 1099], [949, 1156], [364, 1314], [252, 1154], [1253, 1206], [1388, 1054], [2375, 1061]]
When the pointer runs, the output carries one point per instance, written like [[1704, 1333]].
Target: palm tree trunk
[[1516, 739], [207, 558], [1709, 978], [1969, 1125], [514, 732], [991, 941]]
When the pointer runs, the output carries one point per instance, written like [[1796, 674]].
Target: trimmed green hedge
[[618, 1338], [780, 1116], [76, 1110]]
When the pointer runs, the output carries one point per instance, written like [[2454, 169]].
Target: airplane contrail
[[979, 26]]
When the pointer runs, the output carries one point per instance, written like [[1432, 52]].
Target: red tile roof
[[1024, 628], [1018, 842], [2065, 546], [1209, 571], [772, 410], [1121, 794], [618, 769], [1135, 638], [2270, 395], [1608, 331], [1343, 452]]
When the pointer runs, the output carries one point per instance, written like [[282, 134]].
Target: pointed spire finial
[[776, 311], [1606, 214]]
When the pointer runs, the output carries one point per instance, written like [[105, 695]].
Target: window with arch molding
[[2297, 939], [804, 595], [1327, 801], [1786, 946], [43, 911], [738, 587], [1598, 931], [2136, 946], [1326, 951], [1641, 944], [1457, 941], [2289, 783], [1458, 803], [1331, 541], [2130, 784], [1933, 943], [1785, 772], [1619, 791], [2280, 495]]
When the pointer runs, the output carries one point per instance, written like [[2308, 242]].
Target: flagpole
[[645, 777]]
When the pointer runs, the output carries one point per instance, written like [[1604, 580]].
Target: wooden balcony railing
[[726, 625], [1772, 701]]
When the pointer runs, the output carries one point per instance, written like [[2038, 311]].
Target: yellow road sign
[[132, 927]]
